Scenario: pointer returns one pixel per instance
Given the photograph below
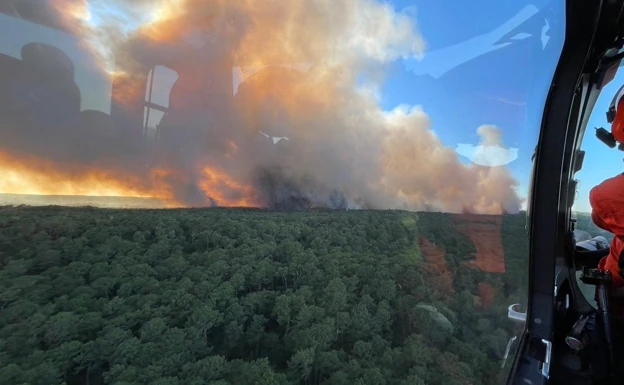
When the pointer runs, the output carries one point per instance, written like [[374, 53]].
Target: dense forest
[[245, 296]]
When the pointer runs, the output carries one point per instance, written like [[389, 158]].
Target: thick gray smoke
[[248, 74]]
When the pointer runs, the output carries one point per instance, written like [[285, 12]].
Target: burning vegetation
[[266, 108]]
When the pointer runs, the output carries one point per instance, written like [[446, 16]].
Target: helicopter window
[[600, 163], [160, 80], [345, 182]]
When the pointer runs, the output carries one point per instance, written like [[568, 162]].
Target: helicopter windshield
[[321, 191]]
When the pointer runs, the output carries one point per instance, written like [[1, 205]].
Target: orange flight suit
[[607, 202]]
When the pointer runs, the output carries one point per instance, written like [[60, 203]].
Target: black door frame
[[590, 30]]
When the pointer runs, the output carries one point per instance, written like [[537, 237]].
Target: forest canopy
[[246, 296]]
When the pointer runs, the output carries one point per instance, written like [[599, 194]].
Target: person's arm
[[583, 257]]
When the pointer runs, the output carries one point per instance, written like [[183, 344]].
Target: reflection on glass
[[160, 82], [386, 159]]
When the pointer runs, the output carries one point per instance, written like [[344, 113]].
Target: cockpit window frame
[[589, 26]]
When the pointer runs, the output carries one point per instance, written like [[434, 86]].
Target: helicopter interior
[[570, 338]]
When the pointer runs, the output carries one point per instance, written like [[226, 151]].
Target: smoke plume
[[300, 129]]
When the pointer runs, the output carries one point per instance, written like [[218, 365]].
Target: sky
[[506, 87], [486, 62], [601, 162]]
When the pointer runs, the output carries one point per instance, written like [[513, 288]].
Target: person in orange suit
[[607, 202]]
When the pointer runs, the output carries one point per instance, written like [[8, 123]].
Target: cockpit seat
[[46, 88]]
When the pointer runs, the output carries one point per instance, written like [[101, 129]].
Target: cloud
[[490, 152], [490, 156]]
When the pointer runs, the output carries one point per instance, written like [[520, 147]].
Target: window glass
[[341, 188]]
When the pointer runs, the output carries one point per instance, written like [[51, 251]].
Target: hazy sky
[[486, 63]]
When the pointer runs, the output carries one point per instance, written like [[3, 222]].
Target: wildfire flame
[[227, 192], [34, 176]]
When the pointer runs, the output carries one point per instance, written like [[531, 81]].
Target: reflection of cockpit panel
[[157, 94], [35, 11], [52, 89], [39, 89], [16, 33], [48, 83], [53, 78]]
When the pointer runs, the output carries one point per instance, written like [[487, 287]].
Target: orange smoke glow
[[161, 26], [33, 176], [129, 90], [73, 12], [227, 192], [231, 150]]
